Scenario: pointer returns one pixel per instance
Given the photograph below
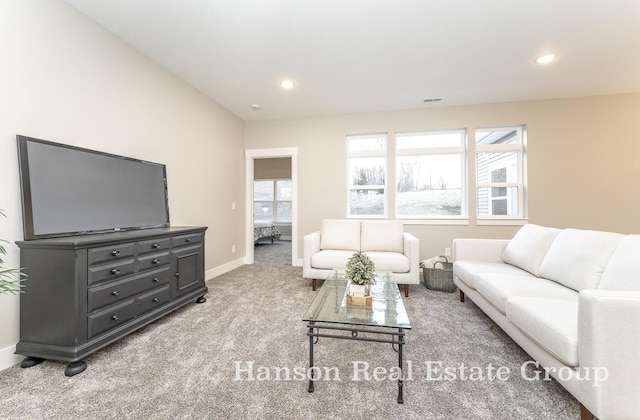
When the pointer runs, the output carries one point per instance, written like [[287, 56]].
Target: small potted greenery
[[361, 271], [9, 277]]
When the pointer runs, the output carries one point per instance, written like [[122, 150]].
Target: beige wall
[[65, 79], [583, 171]]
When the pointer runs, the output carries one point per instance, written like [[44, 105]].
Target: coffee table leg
[[311, 370], [400, 380]]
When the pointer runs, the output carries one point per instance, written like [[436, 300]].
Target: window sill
[[443, 222], [501, 222]]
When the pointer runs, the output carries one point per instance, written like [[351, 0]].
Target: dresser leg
[[75, 367], [28, 362], [201, 299]]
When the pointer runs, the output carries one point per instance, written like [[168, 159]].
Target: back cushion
[[382, 235], [623, 270], [529, 246], [577, 258], [340, 234]]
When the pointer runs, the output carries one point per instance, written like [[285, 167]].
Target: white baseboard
[[224, 268], [8, 358]]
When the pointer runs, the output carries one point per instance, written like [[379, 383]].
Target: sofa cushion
[[330, 258], [390, 261], [577, 258], [468, 270], [551, 323], [529, 246], [382, 235], [498, 288], [623, 270], [340, 234]]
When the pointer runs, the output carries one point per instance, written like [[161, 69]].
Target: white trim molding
[[250, 156]]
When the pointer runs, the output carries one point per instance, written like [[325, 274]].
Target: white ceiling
[[349, 56]]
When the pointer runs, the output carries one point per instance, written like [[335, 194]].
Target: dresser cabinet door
[[187, 269]]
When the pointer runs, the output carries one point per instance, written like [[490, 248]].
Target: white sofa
[[571, 299], [384, 241]]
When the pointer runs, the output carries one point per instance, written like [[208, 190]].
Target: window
[[272, 200], [430, 175], [367, 175], [500, 174]]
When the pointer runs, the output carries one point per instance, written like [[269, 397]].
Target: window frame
[[521, 184], [358, 154], [275, 201], [460, 150]]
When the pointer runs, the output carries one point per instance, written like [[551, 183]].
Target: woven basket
[[439, 278]]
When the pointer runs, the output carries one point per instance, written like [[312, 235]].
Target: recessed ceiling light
[[546, 59], [255, 107], [287, 84]]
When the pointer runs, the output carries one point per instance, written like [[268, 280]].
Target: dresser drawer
[[193, 238], [111, 271], [116, 291], [110, 253], [154, 245], [110, 318], [153, 299], [153, 261]]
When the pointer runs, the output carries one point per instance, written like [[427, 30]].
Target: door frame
[[250, 156]]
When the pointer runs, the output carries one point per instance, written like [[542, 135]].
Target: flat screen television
[[69, 190]]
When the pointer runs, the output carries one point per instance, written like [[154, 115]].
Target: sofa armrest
[[608, 343], [311, 245], [489, 250], [412, 251]]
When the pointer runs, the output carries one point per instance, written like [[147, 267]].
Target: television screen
[[69, 190]]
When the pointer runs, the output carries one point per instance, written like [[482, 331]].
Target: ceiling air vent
[[431, 100]]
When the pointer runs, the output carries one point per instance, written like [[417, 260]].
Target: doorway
[[250, 163]]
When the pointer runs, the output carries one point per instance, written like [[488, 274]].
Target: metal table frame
[[314, 334]]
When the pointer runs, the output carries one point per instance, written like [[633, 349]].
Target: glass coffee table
[[384, 321]]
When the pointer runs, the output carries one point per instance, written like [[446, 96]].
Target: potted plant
[[9, 277], [361, 273]]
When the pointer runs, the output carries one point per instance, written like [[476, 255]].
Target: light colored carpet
[[184, 365]]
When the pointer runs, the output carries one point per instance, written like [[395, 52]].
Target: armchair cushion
[[384, 235], [390, 261], [340, 235]]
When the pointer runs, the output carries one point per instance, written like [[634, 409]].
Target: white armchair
[[384, 241]]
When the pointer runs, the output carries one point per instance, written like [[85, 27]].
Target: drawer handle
[[156, 261], [115, 317], [156, 279], [115, 253], [156, 300], [156, 245], [188, 239], [115, 271], [115, 293]]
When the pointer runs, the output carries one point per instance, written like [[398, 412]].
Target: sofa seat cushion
[[622, 271], [499, 288], [577, 258], [468, 270], [551, 323], [330, 259], [337, 234], [529, 246], [382, 235], [390, 261]]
